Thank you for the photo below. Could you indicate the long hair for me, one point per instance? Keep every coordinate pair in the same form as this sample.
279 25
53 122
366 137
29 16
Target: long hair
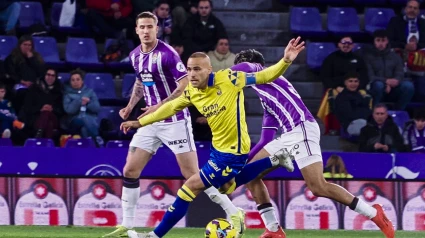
16 54
336 165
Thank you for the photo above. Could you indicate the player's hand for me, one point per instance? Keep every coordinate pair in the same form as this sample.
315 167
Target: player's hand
339 89
128 125
150 109
293 49
387 88
385 148
125 113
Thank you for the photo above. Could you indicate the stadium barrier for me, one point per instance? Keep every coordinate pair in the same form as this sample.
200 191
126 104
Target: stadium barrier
82 186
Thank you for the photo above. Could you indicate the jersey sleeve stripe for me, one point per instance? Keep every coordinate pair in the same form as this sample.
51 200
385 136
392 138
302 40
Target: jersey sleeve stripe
180 78
238 122
250 79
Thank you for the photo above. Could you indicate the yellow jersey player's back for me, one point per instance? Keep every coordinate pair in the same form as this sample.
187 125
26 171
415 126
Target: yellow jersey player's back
222 103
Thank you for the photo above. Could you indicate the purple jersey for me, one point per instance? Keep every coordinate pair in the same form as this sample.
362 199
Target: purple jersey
283 107
159 70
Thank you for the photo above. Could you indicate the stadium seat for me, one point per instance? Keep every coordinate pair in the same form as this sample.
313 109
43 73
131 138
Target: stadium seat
296 1
118 144
127 85
80 143
370 2
82 52
398 2
7 43
343 20
317 52
102 84
64 77
39 142
111 113
377 18
306 21
31 13
48 49
5 142
400 118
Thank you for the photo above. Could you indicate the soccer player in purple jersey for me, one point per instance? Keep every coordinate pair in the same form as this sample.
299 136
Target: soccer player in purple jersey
284 109
161 77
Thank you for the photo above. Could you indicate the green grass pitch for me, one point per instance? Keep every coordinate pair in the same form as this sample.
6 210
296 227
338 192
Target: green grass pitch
91 232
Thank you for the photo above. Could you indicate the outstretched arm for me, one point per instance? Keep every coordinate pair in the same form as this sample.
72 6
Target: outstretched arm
273 72
163 112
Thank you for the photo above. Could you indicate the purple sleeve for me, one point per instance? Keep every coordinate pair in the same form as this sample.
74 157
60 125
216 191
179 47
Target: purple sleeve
176 66
267 135
269 121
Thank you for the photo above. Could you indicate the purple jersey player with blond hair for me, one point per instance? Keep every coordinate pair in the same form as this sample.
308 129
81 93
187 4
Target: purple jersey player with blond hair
160 77
284 109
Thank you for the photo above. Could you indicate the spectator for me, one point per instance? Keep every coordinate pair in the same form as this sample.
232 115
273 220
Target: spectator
43 105
335 168
221 57
338 63
408 31
414 133
8 118
201 129
165 23
177 44
9 15
381 134
81 106
202 31
112 17
352 108
386 73
23 67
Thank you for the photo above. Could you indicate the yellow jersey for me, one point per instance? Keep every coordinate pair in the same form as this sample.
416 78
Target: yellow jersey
222 103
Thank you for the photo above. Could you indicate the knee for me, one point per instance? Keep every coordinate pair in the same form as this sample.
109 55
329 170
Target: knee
188 172
131 172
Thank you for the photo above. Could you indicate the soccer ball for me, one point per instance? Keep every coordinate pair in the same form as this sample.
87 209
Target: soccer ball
220 228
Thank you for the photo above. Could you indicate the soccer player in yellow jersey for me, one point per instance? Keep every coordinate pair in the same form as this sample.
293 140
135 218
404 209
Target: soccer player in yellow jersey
220 98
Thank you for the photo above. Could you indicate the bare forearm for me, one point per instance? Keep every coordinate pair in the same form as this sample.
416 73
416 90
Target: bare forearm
178 91
136 95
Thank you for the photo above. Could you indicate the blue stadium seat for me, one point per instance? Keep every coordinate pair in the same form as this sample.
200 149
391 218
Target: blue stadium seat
377 18
306 21
343 20
48 49
111 113
82 52
39 142
80 143
7 43
5 142
127 85
317 52
118 144
296 1
370 2
102 84
64 77
361 46
400 118
31 13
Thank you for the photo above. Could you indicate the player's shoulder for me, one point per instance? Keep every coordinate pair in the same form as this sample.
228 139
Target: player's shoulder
166 49
247 67
134 53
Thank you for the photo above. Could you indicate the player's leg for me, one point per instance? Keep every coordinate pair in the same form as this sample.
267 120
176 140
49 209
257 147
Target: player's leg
311 166
184 149
261 197
211 174
143 144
